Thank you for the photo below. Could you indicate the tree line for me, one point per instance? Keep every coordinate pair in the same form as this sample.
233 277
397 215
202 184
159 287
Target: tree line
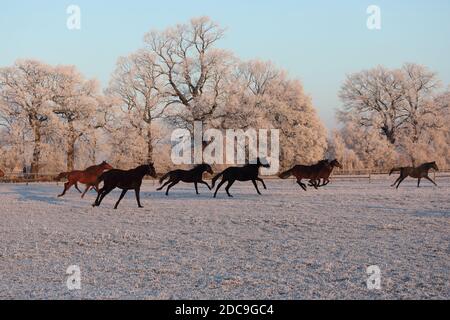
54 119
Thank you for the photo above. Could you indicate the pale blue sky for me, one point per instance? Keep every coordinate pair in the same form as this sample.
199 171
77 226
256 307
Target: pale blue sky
318 42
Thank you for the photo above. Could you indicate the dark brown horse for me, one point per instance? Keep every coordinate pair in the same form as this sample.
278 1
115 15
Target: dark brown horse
325 173
420 172
249 172
88 177
194 176
2 174
125 180
311 173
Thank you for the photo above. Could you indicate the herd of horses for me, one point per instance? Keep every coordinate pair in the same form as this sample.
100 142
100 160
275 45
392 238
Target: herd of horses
318 176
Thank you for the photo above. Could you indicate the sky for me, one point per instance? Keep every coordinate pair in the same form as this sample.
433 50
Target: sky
318 42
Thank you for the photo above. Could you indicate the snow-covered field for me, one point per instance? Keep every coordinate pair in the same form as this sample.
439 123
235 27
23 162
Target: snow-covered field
286 244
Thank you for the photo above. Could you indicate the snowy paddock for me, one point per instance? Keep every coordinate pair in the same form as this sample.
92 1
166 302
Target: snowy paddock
286 244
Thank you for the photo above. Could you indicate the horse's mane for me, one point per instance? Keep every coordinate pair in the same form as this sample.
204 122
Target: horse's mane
427 164
142 167
250 165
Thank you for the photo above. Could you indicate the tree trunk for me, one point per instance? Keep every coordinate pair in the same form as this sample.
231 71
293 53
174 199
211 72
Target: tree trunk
71 154
149 144
71 140
36 149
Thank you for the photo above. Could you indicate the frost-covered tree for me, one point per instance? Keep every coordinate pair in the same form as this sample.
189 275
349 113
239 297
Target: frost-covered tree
26 91
337 149
75 104
281 103
194 70
136 84
401 106
374 98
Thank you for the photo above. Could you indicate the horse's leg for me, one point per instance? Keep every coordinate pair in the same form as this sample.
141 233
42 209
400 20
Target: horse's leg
401 180
256 187
67 186
325 182
124 192
302 185
137 191
418 182
164 185
95 204
218 187
315 185
396 181
227 188
171 186
431 180
262 181
76 187
85 191
196 187
105 192
205 183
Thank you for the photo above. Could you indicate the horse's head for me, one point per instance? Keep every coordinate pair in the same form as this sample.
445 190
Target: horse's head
208 168
336 163
150 170
263 163
434 166
106 166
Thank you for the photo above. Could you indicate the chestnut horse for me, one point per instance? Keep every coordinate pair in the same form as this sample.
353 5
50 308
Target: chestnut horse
419 173
325 173
306 172
88 177
2 174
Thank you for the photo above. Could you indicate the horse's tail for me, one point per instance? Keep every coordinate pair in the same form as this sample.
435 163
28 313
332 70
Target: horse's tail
395 170
286 174
164 177
61 176
214 180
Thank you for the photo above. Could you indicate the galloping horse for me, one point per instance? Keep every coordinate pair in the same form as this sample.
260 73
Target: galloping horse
419 173
249 172
87 177
325 173
125 180
194 175
306 172
2 174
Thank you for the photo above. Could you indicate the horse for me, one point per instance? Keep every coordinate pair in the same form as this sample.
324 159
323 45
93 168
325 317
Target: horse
87 177
419 173
248 172
325 173
2 174
306 172
194 175
125 180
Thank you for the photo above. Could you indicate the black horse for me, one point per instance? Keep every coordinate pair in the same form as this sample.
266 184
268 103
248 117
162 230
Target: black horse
194 176
125 180
249 172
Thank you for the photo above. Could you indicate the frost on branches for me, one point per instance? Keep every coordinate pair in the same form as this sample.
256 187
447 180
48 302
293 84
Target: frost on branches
395 117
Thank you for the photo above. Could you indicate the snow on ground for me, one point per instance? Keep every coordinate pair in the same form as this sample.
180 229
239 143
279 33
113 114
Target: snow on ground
286 244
